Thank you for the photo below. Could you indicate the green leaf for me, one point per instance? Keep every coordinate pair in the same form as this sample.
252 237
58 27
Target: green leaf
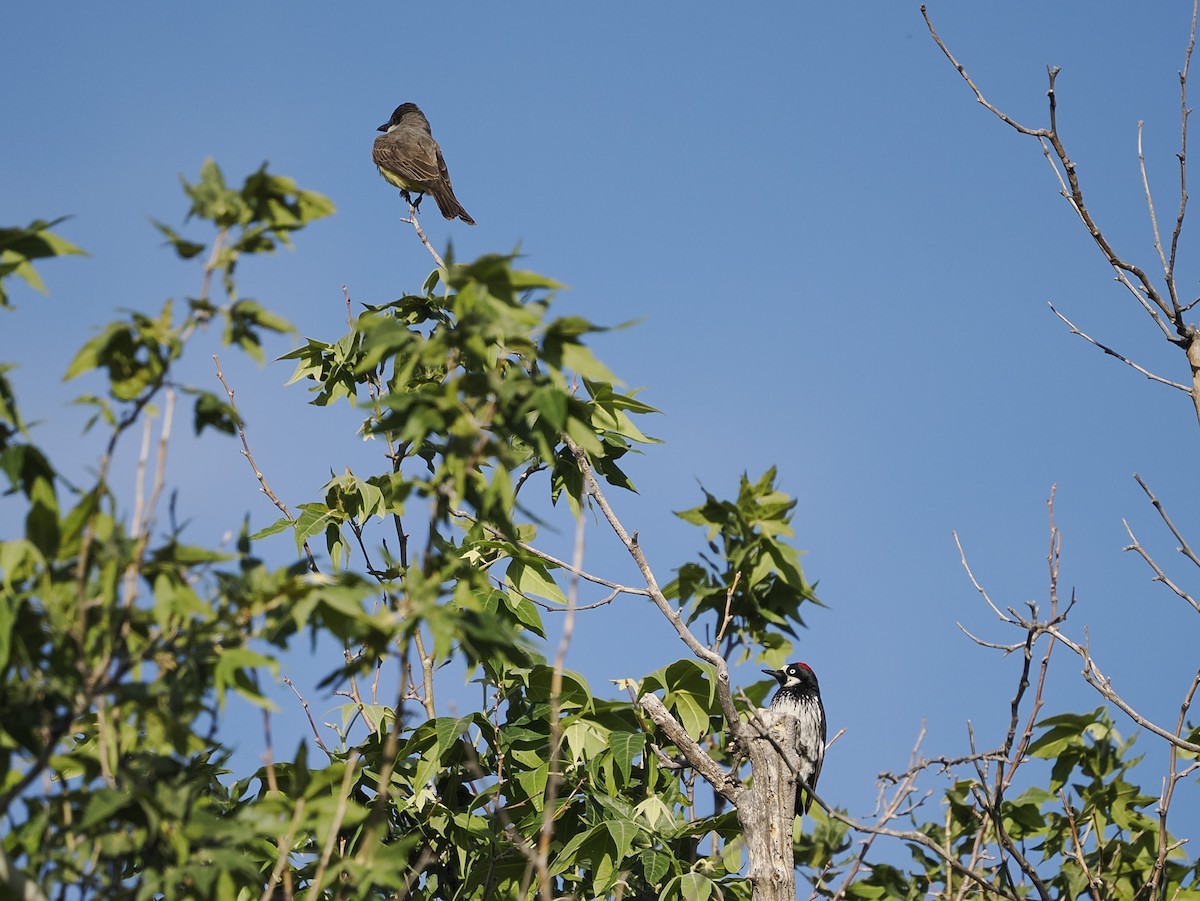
655 865
532 579
623 833
103 804
233 671
184 248
212 412
690 714
18 246
696 887
280 525
626 746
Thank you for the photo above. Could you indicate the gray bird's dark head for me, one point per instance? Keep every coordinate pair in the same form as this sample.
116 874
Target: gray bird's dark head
796 677
404 109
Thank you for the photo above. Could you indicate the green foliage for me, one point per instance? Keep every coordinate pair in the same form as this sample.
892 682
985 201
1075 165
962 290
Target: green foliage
123 646
1089 830
750 579
19 246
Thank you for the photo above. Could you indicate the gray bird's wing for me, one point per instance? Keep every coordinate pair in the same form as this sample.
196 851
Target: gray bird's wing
411 154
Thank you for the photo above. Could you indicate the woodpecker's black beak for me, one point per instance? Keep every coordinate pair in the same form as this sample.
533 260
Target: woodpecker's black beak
777 673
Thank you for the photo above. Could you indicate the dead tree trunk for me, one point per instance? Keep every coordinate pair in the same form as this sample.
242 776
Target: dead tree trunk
767 809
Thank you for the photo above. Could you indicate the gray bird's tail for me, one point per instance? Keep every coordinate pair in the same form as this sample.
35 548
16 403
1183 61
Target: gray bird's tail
450 207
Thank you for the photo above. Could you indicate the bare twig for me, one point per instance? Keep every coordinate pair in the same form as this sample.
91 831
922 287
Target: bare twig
552 608
283 843
1094 884
1159 575
335 825
1017 756
412 220
1171 780
1096 678
674 617
1071 187
427 664
726 618
542 860
262 480
144 509
1168 275
1184 115
1075 330
377 819
1166 312
316 733
945 854
1184 548
284 849
725 784
962 556
551 559
890 810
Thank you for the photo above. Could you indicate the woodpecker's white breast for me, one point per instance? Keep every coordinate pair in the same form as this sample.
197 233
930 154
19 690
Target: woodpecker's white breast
807 715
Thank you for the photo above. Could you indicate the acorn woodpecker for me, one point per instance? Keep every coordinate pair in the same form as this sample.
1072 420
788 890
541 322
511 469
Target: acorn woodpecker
799 696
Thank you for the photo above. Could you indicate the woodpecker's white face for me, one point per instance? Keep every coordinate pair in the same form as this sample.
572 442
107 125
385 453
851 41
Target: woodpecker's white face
794 675
796 679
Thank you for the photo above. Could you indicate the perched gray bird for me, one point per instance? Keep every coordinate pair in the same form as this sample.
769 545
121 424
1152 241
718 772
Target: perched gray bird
799 696
409 158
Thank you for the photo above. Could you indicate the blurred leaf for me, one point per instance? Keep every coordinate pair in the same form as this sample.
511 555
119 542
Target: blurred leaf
19 246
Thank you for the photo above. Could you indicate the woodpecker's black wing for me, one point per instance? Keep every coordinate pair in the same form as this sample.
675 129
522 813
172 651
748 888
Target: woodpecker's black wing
804 791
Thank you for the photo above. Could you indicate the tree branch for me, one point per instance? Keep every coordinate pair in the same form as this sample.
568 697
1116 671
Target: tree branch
1075 330
674 617
724 783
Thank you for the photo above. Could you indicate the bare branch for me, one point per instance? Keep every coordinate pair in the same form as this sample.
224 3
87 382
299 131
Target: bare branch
1017 756
412 220
962 556
262 480
542 860
725 784
335 825
1075 330
312 723
283 846
919 838
890 811
1148 296
1184 115
1184 548
1096 678
1171 780
551 608
1004 117
1159 575
674 617
727 618
1158 247
1006 648
617 587
1094 883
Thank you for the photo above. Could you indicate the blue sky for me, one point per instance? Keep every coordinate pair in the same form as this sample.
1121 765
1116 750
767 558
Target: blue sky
839 262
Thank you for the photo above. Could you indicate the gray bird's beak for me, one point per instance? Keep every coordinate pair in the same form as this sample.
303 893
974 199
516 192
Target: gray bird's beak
383 127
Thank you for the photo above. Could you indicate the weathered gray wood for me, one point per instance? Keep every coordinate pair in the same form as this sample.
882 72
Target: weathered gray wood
766 806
